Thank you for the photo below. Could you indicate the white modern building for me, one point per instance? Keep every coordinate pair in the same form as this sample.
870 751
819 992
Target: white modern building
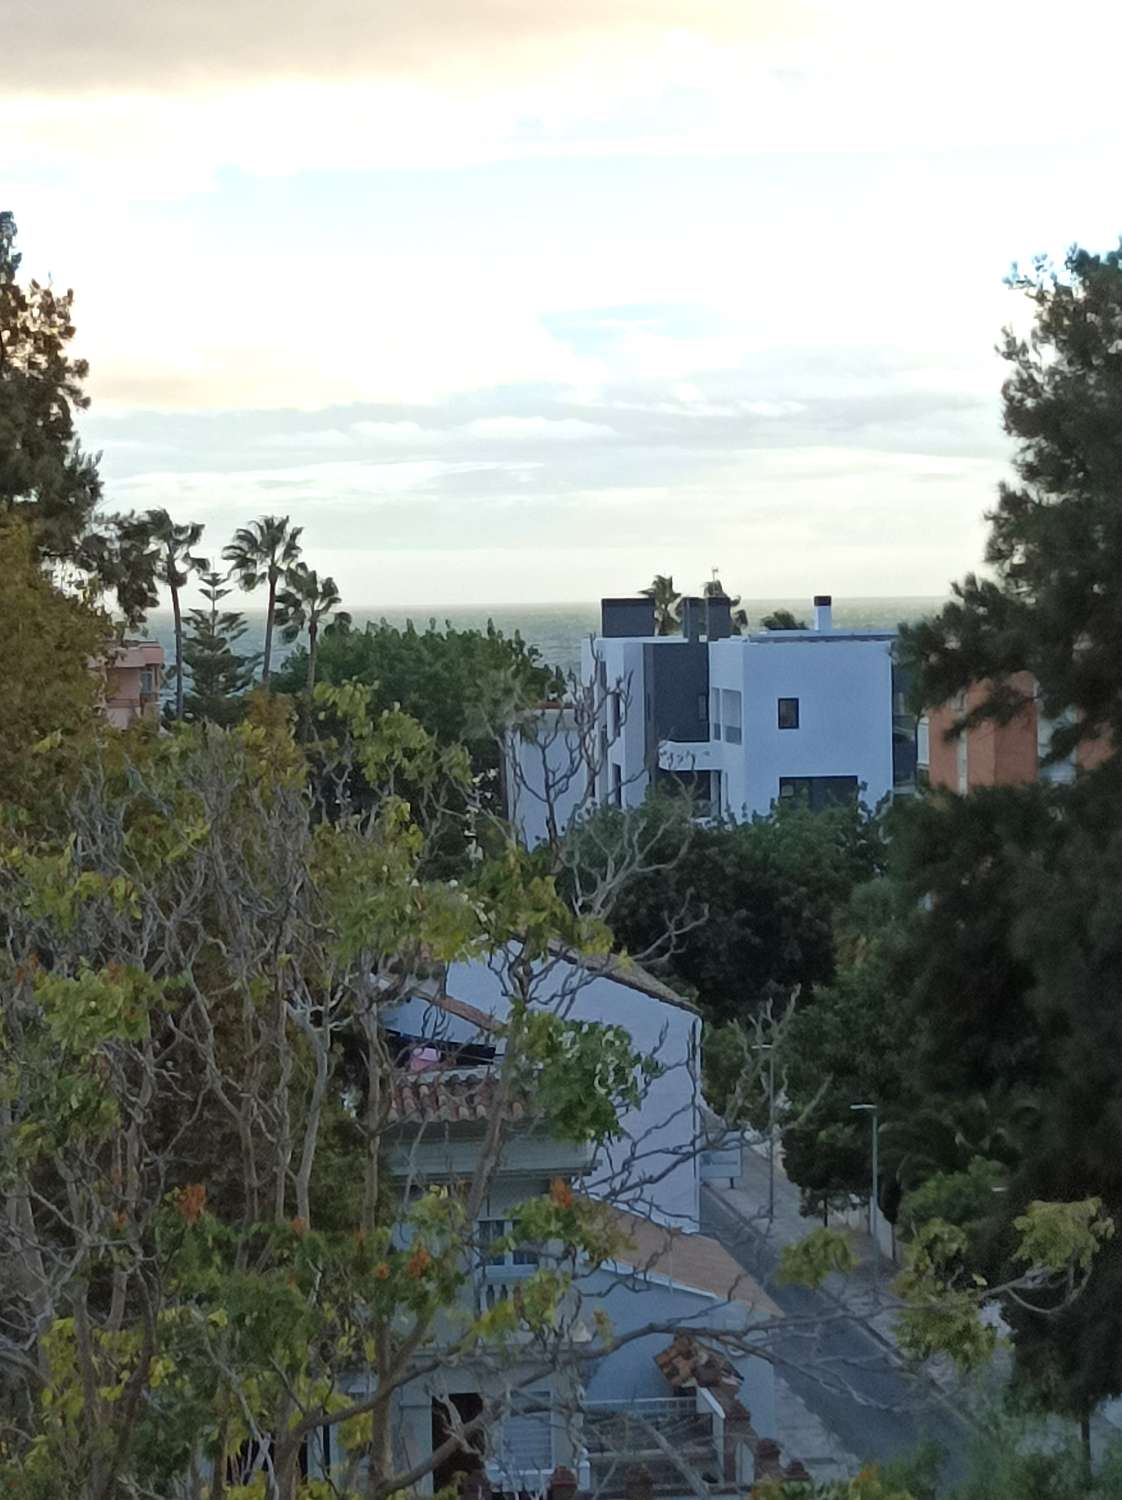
741 721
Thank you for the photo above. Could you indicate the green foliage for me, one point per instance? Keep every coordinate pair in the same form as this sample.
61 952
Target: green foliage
847 1042
667 603
48 641
782 619
964 1198
1056 1236
751 904
220 676
1052 607
461 685
262 553
302 606
821 1253
45 478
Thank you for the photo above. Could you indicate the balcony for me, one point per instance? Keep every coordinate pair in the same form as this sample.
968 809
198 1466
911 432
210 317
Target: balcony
680 1439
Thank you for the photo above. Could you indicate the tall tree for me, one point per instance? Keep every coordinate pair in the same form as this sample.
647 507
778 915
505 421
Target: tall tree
220 675
174 562
45 477
305 602
1053 607
667 603
48 640
263 553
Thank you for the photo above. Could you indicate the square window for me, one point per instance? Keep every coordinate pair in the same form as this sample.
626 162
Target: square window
788 713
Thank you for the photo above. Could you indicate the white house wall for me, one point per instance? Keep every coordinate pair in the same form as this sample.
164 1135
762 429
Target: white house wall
547 768
622 660
653 1168
844 688
630 1372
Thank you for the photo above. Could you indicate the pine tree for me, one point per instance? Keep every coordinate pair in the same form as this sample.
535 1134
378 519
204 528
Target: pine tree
1054 606
45 477
219 674
47 480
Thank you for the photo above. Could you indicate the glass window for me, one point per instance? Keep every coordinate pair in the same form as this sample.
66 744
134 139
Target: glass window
492 1230
730 704
715 713
788 713
617 785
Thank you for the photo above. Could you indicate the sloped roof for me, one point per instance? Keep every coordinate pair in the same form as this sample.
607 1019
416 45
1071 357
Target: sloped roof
625 971
692 1260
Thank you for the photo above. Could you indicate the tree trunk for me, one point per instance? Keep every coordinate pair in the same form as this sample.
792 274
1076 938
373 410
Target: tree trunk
267 656
178 614
313 635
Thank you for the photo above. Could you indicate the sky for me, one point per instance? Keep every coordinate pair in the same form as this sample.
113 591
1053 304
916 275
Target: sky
517 300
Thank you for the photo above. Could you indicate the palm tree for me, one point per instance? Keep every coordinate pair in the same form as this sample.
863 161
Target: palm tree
783 619
264 552
174 561
302 605
715 589
666 602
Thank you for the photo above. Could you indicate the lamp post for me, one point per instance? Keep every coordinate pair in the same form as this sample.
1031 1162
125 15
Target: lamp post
873 1111
769 1048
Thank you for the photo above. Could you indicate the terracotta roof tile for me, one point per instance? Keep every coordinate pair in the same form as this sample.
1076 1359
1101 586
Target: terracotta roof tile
443 1096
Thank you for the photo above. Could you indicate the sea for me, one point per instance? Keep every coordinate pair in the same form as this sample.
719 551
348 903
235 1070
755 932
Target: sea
557 630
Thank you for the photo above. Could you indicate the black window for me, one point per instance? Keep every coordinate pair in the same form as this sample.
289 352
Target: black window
788 713
818 792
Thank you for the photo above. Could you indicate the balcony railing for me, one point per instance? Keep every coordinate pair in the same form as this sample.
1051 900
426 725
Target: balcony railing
681 1439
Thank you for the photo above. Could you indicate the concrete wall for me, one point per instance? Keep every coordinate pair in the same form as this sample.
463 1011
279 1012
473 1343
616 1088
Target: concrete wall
844 688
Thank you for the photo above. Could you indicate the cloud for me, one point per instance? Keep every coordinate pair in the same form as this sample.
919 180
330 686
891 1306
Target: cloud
89 46
538 430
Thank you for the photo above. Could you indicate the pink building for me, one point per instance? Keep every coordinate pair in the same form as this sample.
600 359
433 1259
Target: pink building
134 676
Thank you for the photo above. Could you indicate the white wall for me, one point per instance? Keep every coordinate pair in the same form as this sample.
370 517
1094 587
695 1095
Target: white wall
547 775
630 1373
653 1168
844 688
622 658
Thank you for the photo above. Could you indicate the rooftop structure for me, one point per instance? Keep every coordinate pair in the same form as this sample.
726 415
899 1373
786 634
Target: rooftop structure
738 721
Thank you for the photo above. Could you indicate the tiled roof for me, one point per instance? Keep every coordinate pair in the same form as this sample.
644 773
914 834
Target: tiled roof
691 1260
440 1096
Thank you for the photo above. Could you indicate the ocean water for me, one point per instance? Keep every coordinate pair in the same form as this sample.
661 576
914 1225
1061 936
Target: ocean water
557 630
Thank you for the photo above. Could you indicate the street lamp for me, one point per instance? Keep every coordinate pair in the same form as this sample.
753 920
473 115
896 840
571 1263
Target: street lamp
874 1111
769 1048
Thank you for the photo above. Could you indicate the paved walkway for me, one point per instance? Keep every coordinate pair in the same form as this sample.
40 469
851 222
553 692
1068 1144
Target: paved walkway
944 1401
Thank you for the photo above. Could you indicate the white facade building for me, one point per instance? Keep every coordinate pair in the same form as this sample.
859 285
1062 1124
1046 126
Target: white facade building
743 721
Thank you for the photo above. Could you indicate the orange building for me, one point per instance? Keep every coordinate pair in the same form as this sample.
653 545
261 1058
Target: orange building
992 754
134 676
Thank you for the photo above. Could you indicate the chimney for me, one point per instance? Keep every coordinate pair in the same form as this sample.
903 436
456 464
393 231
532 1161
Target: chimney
823 612
718 616
627 617
693 610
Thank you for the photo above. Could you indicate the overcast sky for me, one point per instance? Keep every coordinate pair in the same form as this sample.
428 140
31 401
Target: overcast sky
506 300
